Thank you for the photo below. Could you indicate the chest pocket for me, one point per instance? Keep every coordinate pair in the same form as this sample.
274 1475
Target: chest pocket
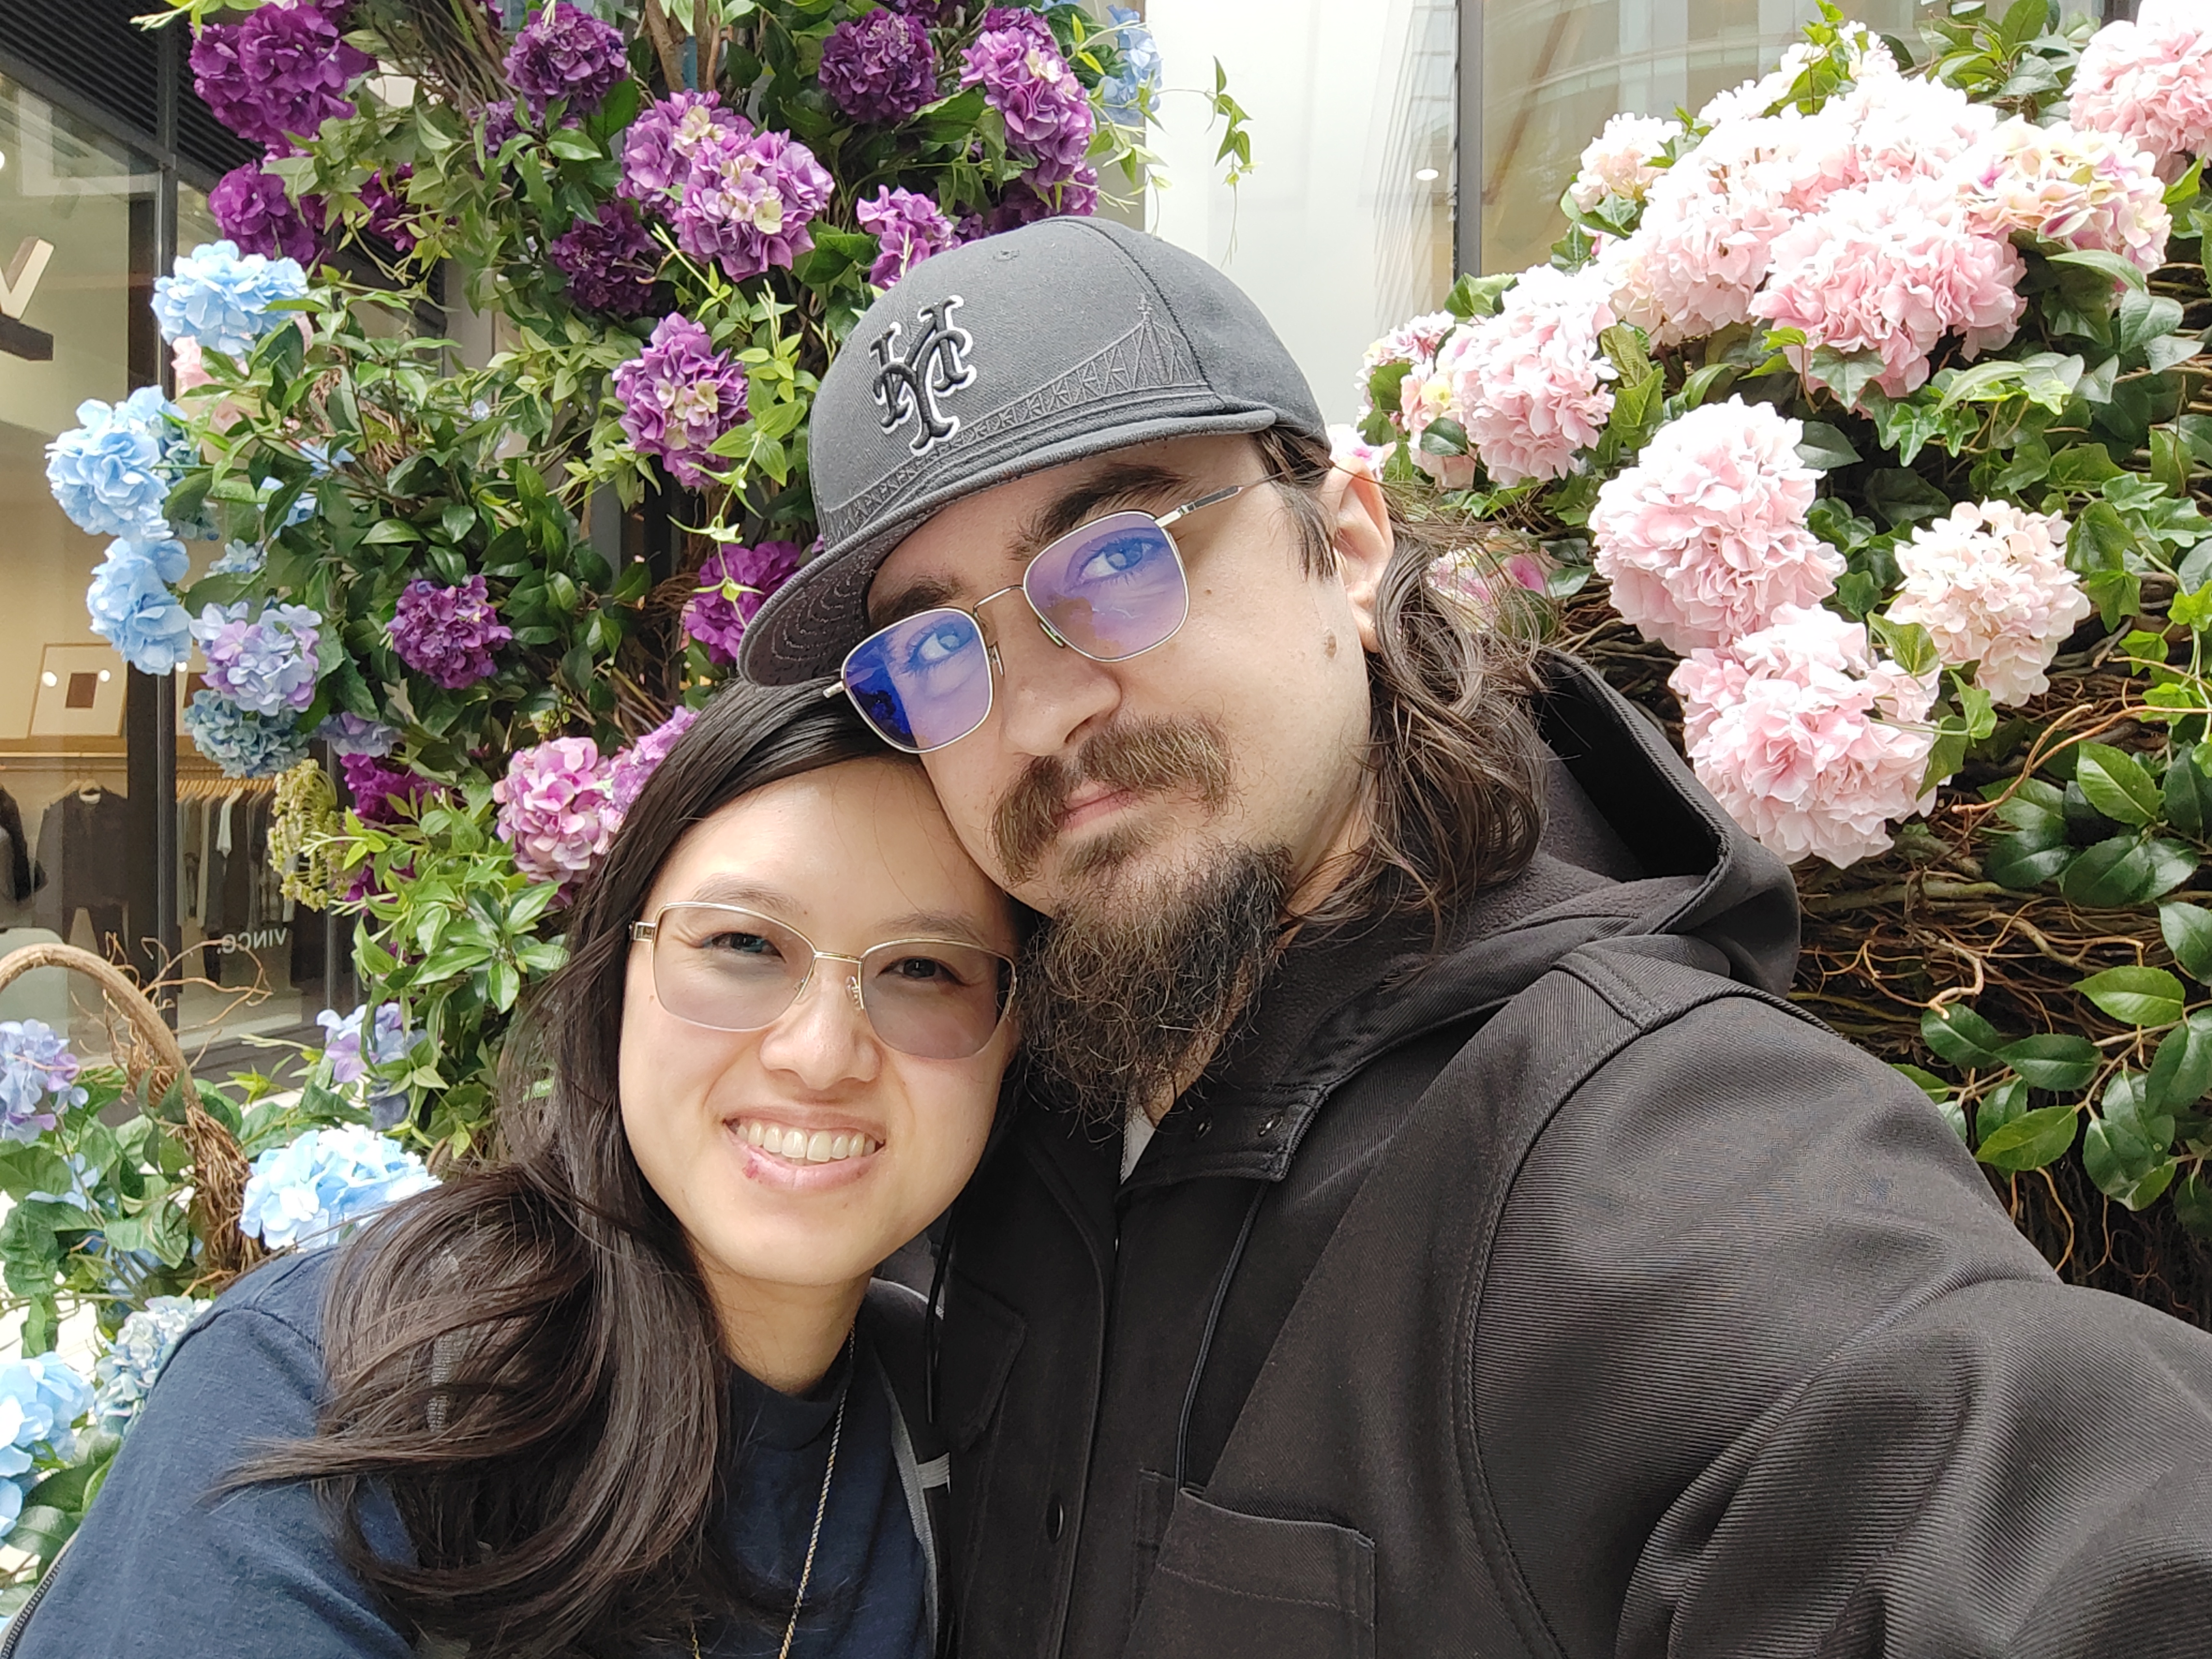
1235 1586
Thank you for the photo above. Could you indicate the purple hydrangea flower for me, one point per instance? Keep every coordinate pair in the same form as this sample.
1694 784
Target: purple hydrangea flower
242 746
563 53
254 212
349 733
447 634
930 11
748 201
733 584
1024 202
267 665
383 793
679 395
610 259
557 810
497 123
385 198
658 150
908 229
627 771
38 1073
879 67
279 74
1017 64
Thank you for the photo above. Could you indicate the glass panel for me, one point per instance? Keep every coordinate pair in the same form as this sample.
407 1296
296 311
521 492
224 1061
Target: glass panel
1345 227
1554 70
84 206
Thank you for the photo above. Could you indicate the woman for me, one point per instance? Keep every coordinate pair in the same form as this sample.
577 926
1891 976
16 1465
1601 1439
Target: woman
609 1397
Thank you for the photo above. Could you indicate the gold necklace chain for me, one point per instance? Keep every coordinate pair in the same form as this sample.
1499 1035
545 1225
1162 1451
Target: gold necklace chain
813 1539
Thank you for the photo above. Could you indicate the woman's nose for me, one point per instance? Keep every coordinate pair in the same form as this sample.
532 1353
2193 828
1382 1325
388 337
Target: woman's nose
824 1039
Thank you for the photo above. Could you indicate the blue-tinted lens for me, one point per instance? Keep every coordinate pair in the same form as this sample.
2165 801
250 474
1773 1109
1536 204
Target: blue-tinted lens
1111 589
924 682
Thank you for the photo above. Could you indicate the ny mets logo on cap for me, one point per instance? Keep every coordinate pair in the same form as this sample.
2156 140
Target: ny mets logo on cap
935 365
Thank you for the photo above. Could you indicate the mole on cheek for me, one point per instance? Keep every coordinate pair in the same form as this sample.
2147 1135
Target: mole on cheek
1328 643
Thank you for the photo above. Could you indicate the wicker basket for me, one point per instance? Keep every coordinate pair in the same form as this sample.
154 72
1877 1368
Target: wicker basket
155 1063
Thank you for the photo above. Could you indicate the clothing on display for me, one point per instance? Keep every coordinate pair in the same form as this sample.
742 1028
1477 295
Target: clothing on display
20 874
227 882
84 844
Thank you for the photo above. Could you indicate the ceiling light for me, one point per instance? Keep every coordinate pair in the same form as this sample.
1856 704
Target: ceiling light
1426 175
49 678
104 675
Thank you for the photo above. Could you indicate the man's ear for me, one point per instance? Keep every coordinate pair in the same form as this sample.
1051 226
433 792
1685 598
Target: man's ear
1359 518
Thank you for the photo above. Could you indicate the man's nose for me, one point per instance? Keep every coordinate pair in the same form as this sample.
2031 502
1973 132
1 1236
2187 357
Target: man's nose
1048 693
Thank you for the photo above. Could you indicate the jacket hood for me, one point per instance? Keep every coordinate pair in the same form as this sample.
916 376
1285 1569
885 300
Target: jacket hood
1633 846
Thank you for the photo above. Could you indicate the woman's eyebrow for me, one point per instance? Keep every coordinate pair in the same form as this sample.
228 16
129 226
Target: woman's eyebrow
935 924
748 895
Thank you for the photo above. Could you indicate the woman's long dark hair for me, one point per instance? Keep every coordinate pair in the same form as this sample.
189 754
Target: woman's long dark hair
526 1359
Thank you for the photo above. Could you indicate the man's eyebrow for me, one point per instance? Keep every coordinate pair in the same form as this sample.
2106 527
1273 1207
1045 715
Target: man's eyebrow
1125 485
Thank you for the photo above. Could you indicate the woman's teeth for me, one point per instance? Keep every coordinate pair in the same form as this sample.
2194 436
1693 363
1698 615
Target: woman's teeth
822 1147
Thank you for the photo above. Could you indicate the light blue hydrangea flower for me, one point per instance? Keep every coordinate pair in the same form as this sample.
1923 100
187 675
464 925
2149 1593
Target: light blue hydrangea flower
238 559
309 1192
222 299
349 733
112 472
37 1078
243 745
1125 95
133 609
40 1402
123 1375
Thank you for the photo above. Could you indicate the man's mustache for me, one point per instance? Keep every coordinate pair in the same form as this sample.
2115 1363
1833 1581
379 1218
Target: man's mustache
1143 756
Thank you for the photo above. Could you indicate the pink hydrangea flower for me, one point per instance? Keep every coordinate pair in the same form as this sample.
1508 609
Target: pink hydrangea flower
2081 189
1423 398
2151 79
1620 160
627 771
1348 450
1530 384
1990 585
1472 577
1810 743
1905 126
1704 540
1890 269
557 809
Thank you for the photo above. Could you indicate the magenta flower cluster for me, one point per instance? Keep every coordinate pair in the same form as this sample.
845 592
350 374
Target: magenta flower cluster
908 229
657 150
279 74
679 395
627 771
566 55
386 199
733 584
748 200
610 259
383 793
1019 64
254 212
879 67
447 634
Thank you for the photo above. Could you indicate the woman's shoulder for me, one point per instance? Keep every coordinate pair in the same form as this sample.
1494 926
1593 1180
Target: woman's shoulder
289 1290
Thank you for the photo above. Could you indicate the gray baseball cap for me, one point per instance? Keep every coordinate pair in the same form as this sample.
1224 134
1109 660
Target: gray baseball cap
1048 344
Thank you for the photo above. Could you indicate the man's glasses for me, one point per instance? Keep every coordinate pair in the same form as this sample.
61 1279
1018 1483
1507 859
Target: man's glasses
733 969
1111 589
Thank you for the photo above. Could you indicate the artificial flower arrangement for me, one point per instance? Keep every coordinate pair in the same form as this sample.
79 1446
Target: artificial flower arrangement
1863 419
672 215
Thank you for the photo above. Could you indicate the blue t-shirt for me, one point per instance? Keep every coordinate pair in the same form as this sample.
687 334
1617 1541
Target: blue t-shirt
162 1569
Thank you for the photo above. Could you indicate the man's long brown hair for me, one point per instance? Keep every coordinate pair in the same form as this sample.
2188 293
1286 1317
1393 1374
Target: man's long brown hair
1457 801
526 1360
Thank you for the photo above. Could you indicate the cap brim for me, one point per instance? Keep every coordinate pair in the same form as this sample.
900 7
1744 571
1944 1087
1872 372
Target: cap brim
807 625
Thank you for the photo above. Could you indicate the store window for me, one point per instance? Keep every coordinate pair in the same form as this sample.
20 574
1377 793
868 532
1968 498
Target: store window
1552 72
76 246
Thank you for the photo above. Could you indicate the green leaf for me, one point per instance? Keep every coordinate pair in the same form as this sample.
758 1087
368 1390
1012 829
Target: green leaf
2000 1107
2117 785
2192 1203
1443 436
2053 1060
2030 1140
2110 264
1911 647
2137 996
2143 317
2112 874
2081 467
2115 1159
1904 497
571 145
1960 1035
387 531
1824 447
2187 929
2188 796
2024 861
2181 1071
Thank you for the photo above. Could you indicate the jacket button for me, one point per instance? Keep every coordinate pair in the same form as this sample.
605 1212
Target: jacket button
1055 1522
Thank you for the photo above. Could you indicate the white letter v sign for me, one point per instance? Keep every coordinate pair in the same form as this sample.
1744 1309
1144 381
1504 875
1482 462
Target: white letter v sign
23 273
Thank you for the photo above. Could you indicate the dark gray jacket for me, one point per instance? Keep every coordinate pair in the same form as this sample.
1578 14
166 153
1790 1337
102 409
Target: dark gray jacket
1569 1295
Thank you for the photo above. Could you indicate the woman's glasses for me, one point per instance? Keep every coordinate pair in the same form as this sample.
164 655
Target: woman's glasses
733 969
1110 589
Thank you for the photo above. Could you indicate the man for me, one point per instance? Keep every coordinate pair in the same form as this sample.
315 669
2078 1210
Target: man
1429 1232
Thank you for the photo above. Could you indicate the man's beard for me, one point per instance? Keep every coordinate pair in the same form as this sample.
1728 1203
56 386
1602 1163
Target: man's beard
1130 989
